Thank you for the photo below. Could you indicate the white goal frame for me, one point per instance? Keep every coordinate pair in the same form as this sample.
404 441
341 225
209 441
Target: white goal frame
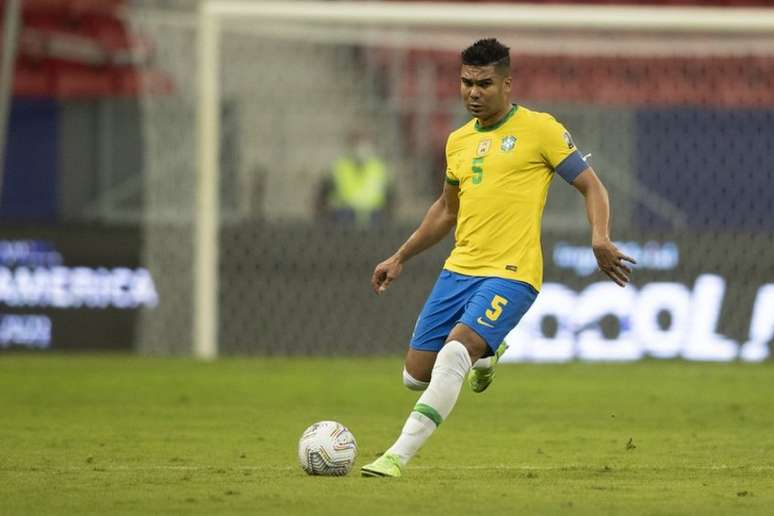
212 13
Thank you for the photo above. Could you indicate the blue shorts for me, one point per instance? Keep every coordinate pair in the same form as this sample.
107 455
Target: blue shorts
490 306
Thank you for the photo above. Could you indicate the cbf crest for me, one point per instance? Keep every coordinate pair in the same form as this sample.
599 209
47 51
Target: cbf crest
508 143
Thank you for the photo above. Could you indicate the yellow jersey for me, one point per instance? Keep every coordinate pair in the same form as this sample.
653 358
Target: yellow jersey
503 173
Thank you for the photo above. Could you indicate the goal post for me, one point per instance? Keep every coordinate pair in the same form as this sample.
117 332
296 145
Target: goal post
499 15
207 190
722 31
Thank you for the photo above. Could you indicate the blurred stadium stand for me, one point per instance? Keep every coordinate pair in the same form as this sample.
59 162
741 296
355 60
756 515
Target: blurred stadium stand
102 136
74 122
80 49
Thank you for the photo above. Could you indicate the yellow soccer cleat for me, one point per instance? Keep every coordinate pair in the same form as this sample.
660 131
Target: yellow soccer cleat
388 465
479 379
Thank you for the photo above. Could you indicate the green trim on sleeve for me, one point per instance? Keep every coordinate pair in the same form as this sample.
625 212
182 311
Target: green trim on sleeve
454 182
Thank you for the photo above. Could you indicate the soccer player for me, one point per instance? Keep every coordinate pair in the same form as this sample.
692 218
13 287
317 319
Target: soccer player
499 167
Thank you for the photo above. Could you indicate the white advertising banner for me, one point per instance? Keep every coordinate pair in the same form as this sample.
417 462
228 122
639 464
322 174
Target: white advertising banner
659 319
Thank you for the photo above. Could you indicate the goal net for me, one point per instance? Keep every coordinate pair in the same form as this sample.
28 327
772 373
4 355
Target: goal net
263 244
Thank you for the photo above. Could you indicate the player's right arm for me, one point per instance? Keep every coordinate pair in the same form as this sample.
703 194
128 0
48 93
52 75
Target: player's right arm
438 221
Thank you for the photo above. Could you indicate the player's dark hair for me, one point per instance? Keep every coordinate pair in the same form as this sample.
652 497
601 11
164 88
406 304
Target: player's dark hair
489 51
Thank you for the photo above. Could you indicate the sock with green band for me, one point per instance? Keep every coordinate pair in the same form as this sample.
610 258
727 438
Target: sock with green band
435 404
429 412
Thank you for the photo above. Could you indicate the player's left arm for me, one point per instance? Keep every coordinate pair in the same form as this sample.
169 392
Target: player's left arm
609 259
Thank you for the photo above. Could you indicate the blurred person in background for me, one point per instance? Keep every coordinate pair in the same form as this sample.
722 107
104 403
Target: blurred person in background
357 189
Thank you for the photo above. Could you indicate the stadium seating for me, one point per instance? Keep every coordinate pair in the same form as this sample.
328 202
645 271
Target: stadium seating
80 49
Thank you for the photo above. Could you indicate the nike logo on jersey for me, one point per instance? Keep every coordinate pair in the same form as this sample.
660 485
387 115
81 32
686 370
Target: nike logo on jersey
484 323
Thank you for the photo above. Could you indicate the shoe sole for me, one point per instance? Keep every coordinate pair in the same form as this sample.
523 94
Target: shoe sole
372 473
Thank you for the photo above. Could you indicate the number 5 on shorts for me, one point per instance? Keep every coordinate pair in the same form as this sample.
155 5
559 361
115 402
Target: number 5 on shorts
498 302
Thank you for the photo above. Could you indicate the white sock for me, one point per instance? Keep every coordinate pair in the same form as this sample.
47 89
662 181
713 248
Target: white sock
412 383
484 363
433 407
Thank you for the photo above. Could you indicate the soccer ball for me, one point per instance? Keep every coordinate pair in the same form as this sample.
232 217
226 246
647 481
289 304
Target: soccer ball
327 448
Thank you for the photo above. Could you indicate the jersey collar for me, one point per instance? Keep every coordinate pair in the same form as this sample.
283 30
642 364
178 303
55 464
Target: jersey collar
499 124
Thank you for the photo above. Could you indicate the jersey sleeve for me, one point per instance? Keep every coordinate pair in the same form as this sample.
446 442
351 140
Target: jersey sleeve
451 178
560 153
451 174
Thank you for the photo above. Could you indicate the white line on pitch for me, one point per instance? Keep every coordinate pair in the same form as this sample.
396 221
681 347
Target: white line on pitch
478 467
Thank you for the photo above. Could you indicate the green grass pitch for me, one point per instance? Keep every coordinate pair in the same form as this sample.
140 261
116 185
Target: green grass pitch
125 435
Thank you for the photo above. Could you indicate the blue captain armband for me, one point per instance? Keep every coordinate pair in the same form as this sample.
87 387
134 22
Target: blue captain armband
571 166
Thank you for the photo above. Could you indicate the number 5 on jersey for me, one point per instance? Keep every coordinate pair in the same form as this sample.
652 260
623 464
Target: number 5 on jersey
478 170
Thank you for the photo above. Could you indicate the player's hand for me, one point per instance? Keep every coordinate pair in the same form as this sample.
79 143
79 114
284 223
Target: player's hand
385 273
611 261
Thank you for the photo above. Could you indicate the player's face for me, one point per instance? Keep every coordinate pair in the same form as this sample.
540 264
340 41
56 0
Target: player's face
486 93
